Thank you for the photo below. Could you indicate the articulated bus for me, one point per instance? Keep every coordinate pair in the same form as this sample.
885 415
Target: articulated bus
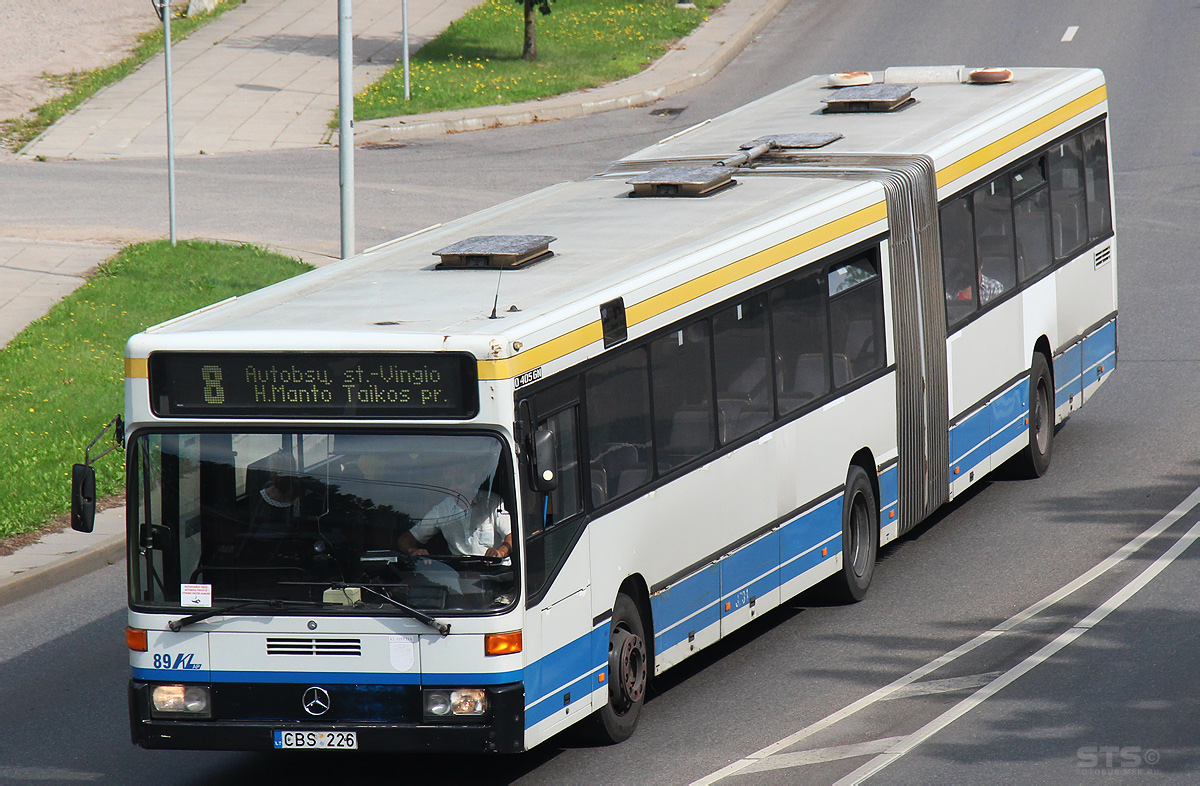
485 481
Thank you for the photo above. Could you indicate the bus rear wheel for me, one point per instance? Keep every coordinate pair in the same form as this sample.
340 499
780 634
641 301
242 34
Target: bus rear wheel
1035 459
628 674
860 539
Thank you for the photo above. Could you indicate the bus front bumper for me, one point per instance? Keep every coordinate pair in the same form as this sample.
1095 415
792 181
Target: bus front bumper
501 731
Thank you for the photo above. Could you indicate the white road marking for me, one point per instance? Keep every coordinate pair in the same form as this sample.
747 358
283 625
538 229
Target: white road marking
1045 653
1069 36
784 761
1008 625
944 686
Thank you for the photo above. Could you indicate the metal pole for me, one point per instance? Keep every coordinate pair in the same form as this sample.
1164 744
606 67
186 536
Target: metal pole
346 124
404 19
166 17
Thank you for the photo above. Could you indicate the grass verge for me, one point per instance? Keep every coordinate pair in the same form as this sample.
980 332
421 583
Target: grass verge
17 132
63 377
477 60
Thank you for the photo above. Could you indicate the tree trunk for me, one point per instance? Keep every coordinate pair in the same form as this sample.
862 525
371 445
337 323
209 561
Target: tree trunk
530 50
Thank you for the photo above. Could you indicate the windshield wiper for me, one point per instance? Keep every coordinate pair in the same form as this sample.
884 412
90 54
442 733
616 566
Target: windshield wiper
199 616
416 614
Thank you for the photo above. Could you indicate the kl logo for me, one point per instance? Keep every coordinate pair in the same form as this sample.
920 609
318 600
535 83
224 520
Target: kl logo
184 661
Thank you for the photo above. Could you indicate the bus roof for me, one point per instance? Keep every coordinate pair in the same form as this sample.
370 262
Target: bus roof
608 244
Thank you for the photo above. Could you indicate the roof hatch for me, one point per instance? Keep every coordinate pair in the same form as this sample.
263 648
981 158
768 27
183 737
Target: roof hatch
682 180
869 98
495 252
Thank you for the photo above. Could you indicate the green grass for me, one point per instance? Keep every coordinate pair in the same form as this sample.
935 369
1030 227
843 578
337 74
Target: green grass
17 132
477 61
62 378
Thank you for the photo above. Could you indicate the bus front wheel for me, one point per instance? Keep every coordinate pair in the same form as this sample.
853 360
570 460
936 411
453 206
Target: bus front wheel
628 664
860 539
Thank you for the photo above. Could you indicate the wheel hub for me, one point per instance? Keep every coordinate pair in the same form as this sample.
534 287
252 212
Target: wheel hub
627 667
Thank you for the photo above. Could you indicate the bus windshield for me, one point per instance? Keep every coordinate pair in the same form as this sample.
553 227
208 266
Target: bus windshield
344 522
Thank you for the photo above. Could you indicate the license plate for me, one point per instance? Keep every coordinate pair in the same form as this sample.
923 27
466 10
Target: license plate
323 740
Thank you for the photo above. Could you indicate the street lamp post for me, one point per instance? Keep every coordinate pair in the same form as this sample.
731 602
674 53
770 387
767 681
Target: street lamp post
163 8
346 124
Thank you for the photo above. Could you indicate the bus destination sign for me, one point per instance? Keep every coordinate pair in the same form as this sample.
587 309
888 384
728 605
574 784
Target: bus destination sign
313 384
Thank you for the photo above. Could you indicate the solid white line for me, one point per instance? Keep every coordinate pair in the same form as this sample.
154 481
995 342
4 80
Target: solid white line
1012 622
1070 34
1045 653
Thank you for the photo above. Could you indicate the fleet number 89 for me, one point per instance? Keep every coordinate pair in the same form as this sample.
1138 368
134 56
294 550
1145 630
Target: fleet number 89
214 392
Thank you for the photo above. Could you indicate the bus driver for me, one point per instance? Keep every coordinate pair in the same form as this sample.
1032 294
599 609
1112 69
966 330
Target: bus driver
477 525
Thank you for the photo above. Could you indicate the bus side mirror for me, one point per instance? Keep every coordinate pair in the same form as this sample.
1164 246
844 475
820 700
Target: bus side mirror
83 497
545 460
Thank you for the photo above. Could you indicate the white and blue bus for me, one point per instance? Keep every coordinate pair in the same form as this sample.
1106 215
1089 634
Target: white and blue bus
485 481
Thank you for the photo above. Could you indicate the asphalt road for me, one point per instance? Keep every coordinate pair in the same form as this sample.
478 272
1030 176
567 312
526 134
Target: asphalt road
1101 681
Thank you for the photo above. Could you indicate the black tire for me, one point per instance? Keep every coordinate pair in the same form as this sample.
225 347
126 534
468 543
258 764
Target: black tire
1034 460
860 540
628 674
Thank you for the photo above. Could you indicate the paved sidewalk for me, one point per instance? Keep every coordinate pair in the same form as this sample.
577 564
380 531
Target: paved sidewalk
264 77
34 275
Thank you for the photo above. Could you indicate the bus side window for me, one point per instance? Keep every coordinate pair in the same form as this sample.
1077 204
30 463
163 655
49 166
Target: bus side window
856 333
958 260
1067 204
564 501
1031 211
552 523
618 425
745 389
1095 169
994 245
800 328
681 375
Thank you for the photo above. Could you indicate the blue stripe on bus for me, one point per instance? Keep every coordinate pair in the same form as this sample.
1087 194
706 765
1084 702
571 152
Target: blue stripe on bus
335 677
558 668
565 675
686 607
1068 370
750 571
326 677
1008 413
988 430
799 539
889 492
970 442
1100 348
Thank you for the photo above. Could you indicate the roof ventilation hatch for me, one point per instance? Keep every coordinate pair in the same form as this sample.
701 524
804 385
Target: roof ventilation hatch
495 252
869 98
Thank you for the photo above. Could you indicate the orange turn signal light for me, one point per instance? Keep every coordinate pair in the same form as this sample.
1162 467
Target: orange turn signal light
135 639
502 643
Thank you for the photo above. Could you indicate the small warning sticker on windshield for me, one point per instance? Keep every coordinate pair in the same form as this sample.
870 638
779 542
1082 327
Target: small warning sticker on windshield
197 596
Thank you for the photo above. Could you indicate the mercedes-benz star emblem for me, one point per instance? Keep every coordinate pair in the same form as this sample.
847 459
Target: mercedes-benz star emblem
316 701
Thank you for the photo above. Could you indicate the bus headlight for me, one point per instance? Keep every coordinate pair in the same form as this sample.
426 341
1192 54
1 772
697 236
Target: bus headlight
459 703
176 700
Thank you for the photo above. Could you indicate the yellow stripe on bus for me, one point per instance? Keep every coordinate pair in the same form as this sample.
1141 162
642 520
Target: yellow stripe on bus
137 368
988 153
735 271
676 296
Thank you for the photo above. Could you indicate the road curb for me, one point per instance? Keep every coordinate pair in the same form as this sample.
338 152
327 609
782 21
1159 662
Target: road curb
689 65
43 577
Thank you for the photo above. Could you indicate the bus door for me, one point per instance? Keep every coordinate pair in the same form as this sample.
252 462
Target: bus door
558 637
